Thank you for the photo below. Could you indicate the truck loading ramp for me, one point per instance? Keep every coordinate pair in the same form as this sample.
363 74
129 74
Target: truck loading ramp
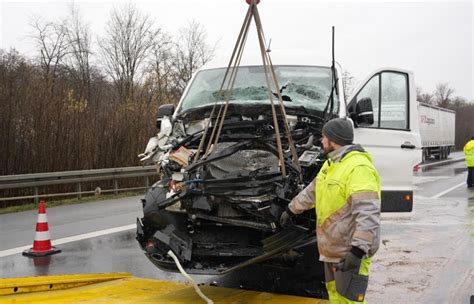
124 288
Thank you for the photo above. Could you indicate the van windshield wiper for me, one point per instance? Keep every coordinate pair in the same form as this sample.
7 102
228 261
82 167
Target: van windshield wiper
283 97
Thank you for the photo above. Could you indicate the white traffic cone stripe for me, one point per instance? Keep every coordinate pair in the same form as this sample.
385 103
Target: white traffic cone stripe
42 218
42 236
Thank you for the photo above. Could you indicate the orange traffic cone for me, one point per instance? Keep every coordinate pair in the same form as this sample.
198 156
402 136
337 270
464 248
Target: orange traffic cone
42 243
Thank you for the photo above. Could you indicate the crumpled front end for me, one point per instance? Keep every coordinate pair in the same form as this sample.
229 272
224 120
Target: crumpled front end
220 212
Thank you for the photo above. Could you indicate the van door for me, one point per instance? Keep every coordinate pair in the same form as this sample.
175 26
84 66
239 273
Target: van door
392 138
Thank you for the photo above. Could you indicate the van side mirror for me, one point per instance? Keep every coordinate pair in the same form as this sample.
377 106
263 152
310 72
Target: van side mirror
364 112
164 110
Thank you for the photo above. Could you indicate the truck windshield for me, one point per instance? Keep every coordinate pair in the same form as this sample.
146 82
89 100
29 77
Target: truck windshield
307 86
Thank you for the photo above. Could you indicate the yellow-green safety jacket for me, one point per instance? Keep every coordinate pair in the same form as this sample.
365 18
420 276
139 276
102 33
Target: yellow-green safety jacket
469 153
346 195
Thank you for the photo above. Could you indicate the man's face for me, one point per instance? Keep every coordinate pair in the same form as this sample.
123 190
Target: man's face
327 144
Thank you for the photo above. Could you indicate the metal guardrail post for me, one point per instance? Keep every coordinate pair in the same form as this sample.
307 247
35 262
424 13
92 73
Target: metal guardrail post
79 190
36 195
115 187
147 182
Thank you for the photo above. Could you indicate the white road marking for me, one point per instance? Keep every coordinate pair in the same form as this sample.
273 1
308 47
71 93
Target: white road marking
70 239
13 251
448 190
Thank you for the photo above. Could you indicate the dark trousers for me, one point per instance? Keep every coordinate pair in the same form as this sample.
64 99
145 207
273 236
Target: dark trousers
347 287
470 176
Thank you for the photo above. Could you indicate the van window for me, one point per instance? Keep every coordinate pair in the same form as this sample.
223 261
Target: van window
393 113
389 94
371 90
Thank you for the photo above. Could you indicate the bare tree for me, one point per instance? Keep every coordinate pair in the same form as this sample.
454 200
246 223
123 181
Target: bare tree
192 51
51 41
348 82
161 68
79 43
459 101
464 125
424 97
129 38
443 94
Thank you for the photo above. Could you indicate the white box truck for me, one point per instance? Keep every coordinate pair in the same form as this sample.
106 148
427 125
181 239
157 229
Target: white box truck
437 129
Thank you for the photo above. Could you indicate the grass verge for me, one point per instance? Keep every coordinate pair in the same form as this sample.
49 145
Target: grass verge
69 201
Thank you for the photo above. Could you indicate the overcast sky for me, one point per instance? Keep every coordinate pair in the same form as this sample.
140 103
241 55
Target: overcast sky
433 39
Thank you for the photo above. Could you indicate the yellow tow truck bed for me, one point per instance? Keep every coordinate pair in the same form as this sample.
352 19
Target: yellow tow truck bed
124 288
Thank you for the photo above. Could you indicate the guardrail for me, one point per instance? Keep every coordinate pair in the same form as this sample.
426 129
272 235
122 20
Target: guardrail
423 167
37 180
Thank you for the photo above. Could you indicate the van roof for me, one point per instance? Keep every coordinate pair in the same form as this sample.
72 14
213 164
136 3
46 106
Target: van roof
278 57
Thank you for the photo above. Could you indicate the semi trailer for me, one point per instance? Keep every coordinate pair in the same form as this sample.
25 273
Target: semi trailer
437 130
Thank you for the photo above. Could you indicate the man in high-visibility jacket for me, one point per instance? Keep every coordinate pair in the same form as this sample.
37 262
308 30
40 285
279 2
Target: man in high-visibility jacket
346 196
469 153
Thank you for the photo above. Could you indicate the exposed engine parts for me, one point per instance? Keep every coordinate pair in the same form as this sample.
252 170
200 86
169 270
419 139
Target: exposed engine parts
222 211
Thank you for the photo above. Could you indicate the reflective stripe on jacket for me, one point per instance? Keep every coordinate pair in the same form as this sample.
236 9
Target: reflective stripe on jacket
347 206
469 153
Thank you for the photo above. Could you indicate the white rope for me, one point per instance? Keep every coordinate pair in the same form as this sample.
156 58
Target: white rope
196 287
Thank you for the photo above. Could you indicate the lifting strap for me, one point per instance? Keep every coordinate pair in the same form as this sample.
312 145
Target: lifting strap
228 82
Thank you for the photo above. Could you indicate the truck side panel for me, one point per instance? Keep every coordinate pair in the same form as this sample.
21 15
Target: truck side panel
437 130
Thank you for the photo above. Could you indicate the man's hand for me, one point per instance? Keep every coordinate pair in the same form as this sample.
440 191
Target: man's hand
286 218
351 261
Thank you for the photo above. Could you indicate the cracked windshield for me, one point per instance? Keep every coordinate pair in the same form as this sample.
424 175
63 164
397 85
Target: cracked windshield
305 86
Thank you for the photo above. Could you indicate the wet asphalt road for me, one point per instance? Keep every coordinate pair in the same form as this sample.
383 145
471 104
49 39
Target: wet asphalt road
116 252
17 229
119 252
426 256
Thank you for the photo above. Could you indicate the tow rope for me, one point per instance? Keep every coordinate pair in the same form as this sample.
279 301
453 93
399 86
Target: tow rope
187 276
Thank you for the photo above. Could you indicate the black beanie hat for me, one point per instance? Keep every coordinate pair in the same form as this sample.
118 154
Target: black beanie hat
340 131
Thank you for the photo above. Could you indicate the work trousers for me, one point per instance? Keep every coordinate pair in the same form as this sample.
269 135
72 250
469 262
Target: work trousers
470 177
349 286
